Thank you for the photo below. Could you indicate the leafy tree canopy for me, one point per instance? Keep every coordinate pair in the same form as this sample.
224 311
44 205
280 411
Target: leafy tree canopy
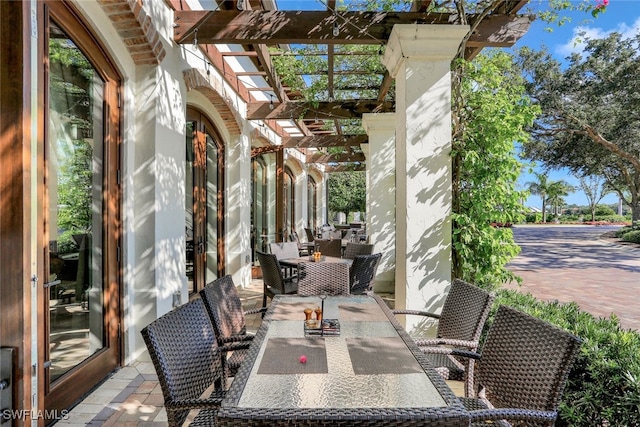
590 120
347 192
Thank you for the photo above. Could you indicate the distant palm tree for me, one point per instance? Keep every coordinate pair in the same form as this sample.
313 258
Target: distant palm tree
549 191
540 188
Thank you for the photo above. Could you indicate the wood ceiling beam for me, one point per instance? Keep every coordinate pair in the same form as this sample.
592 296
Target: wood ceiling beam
323 111
335 158
325 141
316 27
420 5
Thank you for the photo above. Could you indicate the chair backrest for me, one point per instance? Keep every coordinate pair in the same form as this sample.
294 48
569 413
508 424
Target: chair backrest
363 272
310 236
354 249
465 312
329 247
223 304
323 278
271 271
185 354
525 361
283 250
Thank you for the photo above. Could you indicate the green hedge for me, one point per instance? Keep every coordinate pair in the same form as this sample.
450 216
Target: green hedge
604 385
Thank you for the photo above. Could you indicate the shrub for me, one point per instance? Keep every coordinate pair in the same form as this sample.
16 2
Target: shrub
604 385
631 236
610 218
622 231
533 217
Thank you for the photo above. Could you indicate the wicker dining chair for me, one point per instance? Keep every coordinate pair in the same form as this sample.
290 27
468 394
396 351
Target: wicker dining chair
273 281
185 354
323 278
460 324
329 247
363 272
352 249
310 236
224 307
522 371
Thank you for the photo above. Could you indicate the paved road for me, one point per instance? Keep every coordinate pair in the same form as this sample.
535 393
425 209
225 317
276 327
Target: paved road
572 263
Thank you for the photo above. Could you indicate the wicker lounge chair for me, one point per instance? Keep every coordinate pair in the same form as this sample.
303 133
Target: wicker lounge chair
521 372
224 307
323 278
362 273
185 354
460 325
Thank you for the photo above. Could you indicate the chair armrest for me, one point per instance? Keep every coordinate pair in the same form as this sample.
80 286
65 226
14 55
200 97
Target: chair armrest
232 346
513 414
256 311
211 402
416 313
452 351
236 338
429 342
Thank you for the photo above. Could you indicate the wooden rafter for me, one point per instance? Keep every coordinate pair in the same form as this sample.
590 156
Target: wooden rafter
335 158
325 141
321 111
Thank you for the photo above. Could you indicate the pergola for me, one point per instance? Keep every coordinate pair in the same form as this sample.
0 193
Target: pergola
252 27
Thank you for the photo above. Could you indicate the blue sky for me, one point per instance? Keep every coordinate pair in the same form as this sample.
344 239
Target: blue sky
622 16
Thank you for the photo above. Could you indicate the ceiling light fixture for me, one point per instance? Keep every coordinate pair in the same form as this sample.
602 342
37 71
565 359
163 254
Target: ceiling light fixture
240 5
336 29
271 102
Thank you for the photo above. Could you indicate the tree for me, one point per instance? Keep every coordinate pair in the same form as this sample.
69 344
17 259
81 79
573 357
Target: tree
556 193
594 188
590 120
347 192
490 114
540 188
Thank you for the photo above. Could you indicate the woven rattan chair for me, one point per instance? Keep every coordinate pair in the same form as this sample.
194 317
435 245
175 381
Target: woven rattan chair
353 249
323 278
273 281
329 247
224 307
284 250
460 324
310 236
363 272
185 354
521 372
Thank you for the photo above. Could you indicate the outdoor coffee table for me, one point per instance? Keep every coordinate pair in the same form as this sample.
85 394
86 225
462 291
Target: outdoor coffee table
370 374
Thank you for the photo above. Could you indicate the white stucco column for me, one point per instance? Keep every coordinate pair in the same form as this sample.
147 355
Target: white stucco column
381 194
419 57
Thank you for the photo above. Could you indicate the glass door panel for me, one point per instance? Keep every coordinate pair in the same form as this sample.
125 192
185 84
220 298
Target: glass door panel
74 159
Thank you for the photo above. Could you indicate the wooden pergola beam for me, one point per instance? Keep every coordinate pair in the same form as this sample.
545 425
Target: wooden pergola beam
325 141
354 167
322 111
335 158
316 27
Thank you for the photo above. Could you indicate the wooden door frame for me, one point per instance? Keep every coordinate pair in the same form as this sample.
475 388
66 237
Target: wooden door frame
74 384
206 127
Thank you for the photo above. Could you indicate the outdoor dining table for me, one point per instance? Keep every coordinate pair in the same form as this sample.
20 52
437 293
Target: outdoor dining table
370 374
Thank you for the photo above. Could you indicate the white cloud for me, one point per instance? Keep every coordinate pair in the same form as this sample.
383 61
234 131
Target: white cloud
576 43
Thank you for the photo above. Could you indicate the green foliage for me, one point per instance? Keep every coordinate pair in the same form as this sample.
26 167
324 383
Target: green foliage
588 122
533 217
603 386
490 113
631 236
347 192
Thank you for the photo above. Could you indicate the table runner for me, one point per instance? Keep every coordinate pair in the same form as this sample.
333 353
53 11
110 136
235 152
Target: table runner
293 310
361 313
282 356
387 355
